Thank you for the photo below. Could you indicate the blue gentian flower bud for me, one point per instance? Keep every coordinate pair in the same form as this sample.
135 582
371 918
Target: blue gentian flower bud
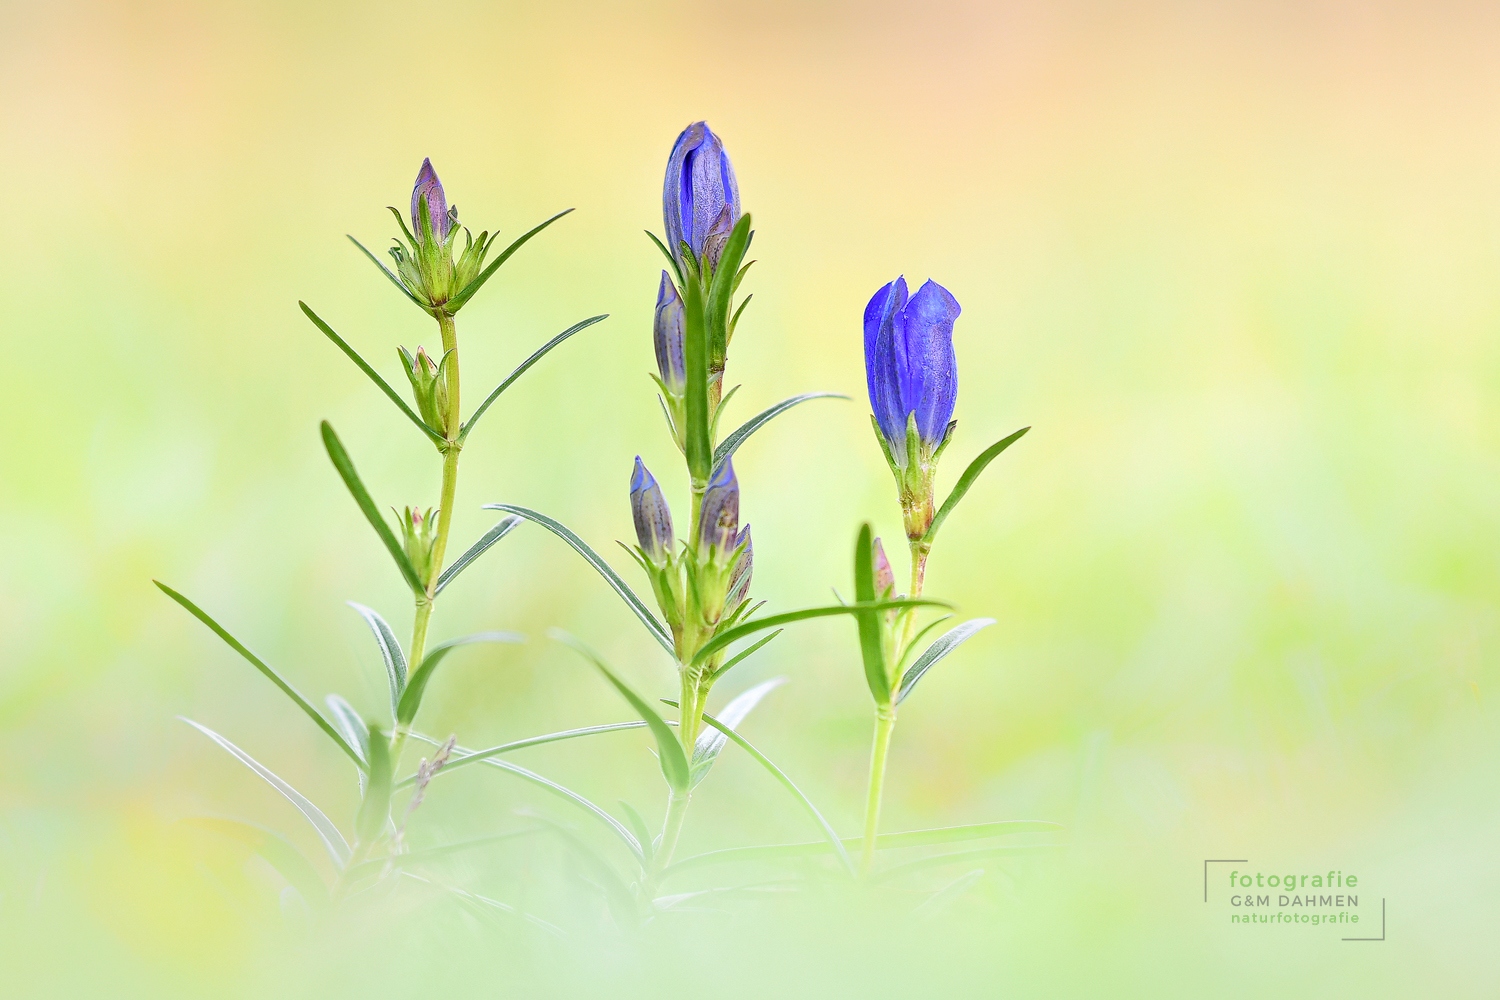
428 186
910 365
739 580
720 519
653 519
668 333
700 198
418 533
913 380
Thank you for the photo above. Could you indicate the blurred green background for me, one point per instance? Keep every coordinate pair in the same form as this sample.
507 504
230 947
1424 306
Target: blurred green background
1233 262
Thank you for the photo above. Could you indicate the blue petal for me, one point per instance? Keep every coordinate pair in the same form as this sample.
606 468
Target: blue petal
429 186
677 194
885 362
719 520
929 382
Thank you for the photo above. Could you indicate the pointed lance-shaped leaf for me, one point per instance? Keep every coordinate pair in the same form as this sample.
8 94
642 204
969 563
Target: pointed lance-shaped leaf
345 467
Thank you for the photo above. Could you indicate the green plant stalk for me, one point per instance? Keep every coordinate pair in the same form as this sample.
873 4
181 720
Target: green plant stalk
885 715
671 830
885 724
451 451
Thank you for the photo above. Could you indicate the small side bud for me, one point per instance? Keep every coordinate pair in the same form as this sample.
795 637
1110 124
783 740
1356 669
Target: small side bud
653 518
429 387
885 578
418 532
667 333
720 518
739 580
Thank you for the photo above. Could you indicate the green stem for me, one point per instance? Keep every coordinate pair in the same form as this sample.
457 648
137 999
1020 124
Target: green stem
451 449
671 830
885 723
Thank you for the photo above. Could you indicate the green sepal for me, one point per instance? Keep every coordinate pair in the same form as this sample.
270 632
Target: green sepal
467 292
696 351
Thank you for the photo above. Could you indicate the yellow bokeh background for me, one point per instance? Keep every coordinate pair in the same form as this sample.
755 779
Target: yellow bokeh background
1234 263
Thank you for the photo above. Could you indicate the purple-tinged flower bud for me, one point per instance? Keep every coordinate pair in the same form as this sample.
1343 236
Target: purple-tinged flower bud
739 580
418 533
885 578
719 522
653 519
910 365
668 333
700 196
428 186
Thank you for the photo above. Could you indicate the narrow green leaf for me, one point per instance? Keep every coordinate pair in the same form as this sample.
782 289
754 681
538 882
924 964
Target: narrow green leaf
941 647
351 725
730 636
499 531
277 851
468 290
967 479
364 366
375 806
745 653
411 698
536 356
390 652
710 742
387 271
561 790
676 268
731 444
264 668
372 514
790 786
463 757
871 641
337 846
639 828
657 629
697 444
674 764
916 641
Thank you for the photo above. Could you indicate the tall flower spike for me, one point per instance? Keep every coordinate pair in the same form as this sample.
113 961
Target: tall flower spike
653 519
910 364
720 518
667 333
428 186
739 580
700 198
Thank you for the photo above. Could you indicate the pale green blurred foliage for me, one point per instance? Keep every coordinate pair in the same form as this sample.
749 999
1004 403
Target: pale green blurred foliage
1236 265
